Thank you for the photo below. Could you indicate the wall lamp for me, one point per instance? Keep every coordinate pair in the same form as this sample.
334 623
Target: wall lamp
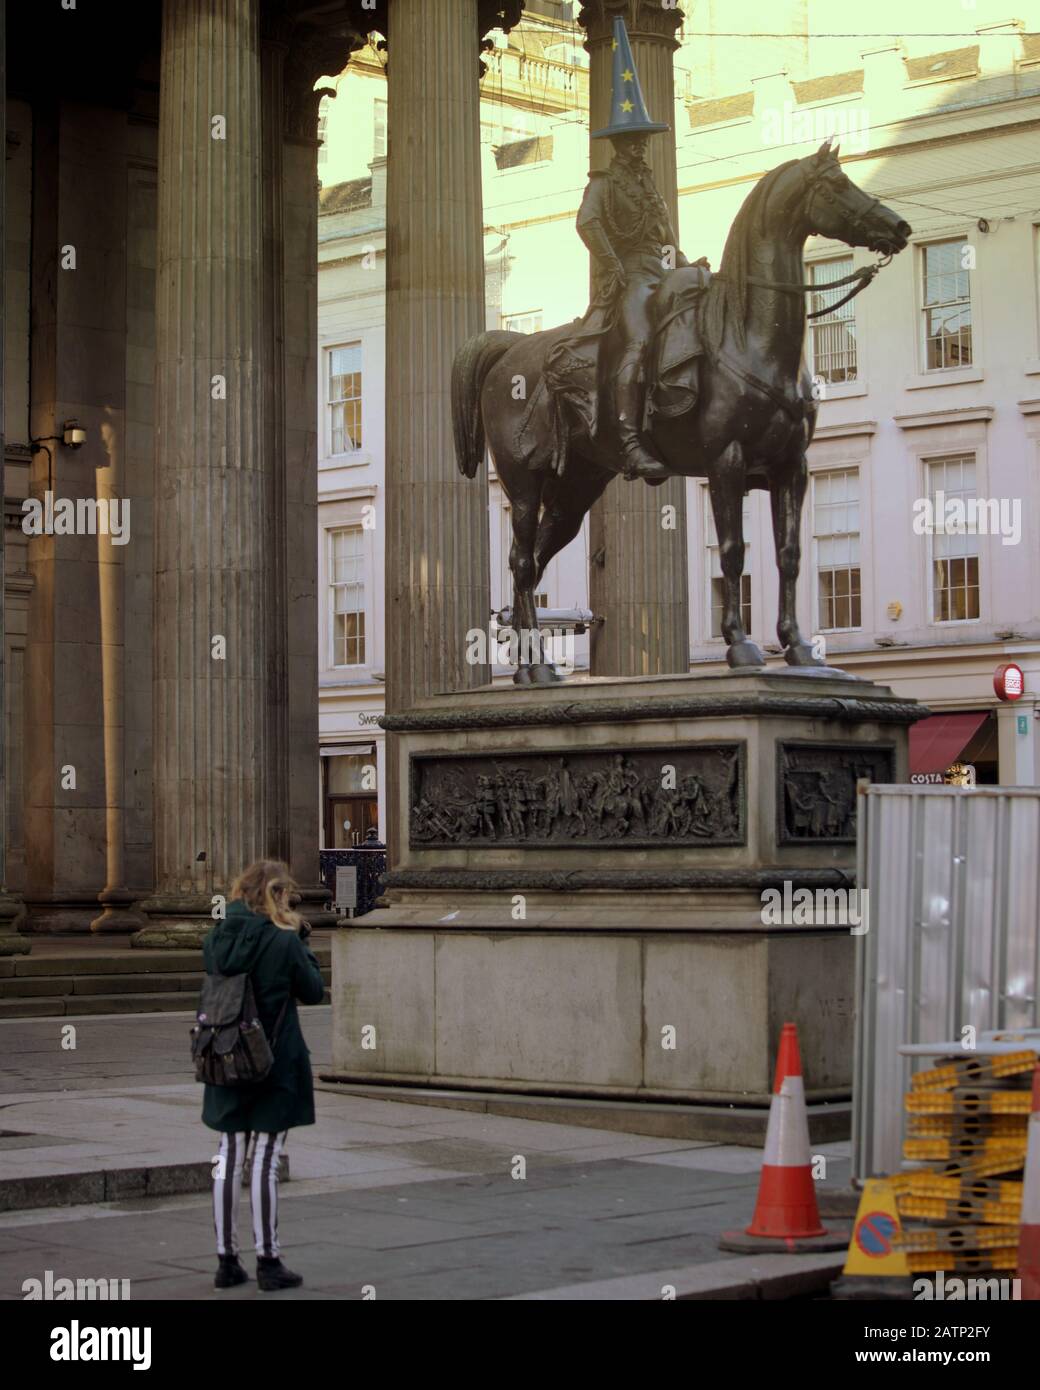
73 436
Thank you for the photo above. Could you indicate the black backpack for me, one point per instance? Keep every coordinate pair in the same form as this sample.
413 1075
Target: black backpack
228 1044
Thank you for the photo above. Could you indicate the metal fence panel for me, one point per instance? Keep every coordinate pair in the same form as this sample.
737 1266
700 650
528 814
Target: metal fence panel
953 876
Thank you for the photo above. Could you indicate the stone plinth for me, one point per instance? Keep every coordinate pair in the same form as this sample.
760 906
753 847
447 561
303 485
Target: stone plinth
581 870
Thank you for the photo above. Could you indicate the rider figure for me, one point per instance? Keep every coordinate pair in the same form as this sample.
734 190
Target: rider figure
625 223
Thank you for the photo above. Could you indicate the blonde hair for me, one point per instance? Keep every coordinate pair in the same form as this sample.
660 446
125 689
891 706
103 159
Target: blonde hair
266 888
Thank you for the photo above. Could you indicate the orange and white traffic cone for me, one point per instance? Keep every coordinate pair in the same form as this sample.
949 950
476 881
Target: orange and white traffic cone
786 1218
1029 1230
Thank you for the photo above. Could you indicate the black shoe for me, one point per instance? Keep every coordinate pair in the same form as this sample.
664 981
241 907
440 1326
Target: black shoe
272 1274
229 1273
639 463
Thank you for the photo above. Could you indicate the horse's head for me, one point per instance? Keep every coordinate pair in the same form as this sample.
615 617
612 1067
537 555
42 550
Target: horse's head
834 207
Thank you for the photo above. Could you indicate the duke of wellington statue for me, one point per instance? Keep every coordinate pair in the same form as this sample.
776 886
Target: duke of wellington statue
579 867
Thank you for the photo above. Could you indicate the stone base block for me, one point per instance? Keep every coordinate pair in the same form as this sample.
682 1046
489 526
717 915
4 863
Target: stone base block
12 917
580 900
171 934
676 1015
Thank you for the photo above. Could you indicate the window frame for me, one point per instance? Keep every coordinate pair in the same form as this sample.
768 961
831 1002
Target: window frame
332 584
379 106
815 474
849 311
929 461
537 316
923 308
329 349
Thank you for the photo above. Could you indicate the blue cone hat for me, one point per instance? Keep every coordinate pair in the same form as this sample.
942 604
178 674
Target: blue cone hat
628 113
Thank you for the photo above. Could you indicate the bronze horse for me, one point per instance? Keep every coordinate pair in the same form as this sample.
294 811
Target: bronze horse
754 414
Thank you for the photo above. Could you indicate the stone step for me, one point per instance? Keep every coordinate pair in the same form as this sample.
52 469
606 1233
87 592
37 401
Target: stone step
128 962
60 986
148 997
114 1184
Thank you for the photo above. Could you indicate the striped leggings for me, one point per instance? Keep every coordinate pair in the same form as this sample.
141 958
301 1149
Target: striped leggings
227 1187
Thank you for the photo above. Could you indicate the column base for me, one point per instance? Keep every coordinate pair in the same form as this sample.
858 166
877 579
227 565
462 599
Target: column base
118 915
316 905
12 915
174 923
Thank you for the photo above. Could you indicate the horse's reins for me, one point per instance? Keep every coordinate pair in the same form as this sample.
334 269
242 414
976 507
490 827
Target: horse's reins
859 278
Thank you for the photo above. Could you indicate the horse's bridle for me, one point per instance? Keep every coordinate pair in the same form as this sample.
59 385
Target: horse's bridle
859 279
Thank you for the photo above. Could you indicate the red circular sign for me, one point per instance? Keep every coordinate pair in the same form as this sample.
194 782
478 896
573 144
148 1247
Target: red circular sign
874 1234
1008 681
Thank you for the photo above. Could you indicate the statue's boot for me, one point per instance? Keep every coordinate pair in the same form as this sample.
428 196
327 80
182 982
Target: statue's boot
639 462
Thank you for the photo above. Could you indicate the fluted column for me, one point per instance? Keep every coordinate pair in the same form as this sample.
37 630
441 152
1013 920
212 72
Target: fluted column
437 581
12 909
212 498
638 571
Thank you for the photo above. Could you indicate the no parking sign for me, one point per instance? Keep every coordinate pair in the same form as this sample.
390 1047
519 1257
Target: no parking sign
872 1249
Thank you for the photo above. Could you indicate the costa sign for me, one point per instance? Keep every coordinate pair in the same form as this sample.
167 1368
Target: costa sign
1008 681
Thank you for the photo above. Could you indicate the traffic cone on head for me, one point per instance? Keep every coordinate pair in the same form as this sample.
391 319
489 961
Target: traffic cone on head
786 1218
1029 1230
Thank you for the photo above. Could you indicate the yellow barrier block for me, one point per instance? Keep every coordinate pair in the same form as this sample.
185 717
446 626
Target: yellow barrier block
958 1126
955 1238
952 1187
962 1101
974 1068
1006 1150
959 1209
1006 1257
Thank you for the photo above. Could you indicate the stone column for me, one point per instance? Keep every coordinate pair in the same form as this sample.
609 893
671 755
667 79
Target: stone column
638 570
290 116
212 633
12 909
437 579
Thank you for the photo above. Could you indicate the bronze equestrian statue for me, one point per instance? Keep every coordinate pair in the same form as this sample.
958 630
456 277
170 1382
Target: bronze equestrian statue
727 396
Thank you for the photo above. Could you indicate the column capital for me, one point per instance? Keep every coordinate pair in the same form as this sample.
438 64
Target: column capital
313 52
644 19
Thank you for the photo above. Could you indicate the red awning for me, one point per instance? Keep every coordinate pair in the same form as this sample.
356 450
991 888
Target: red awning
939 740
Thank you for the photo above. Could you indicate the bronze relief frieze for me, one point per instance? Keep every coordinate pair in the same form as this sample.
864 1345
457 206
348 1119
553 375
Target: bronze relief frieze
628 798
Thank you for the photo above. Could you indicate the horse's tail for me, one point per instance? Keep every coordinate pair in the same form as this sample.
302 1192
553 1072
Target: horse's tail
472 363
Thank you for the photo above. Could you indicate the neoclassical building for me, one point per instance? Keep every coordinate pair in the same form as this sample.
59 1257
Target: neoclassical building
170 691
161 336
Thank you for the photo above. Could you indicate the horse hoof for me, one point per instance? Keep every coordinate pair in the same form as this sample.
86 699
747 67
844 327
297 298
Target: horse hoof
801 654
743 654
543 673
522 676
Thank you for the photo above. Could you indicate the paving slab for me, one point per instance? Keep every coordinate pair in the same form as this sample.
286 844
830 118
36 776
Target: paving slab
419 1202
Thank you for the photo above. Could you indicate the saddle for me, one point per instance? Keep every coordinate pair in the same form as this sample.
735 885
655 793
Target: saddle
673 358
576 384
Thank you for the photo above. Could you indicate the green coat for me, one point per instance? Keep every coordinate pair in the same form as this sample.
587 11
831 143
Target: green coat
282 968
